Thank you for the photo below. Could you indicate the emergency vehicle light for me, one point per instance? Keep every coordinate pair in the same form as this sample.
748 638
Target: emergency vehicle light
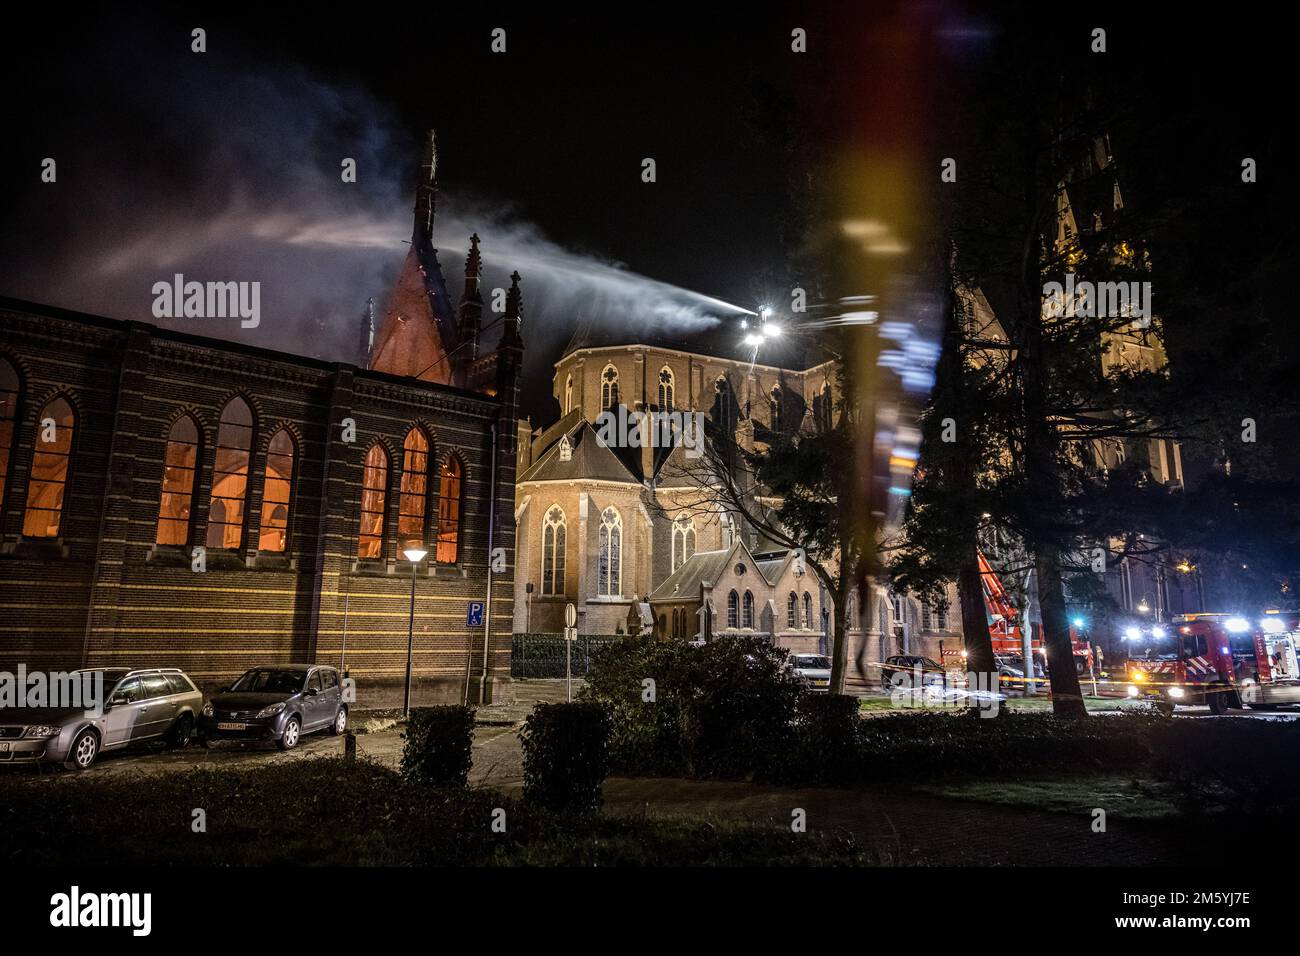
1271 625
1237 625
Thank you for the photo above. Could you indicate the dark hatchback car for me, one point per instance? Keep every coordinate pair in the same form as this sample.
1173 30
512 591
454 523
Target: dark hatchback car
279 703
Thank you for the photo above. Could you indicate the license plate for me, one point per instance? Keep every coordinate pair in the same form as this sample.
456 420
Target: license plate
232 726
4 746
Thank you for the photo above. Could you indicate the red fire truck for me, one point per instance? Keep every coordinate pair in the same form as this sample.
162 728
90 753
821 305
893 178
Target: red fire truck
1223 660
1004 624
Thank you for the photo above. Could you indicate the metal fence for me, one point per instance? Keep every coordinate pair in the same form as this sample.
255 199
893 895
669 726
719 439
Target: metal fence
542 655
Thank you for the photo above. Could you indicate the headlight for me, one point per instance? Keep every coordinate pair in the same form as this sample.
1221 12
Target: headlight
42 730
270 711
1132 690
1138 676
1237 625
207 709
1177 693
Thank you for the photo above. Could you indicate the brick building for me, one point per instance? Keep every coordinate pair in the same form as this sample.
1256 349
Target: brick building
170 499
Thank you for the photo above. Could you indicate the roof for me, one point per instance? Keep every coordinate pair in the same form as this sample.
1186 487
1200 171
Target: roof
590 461
703 567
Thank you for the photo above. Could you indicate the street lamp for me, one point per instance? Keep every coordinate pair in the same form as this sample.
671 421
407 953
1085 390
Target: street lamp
415 555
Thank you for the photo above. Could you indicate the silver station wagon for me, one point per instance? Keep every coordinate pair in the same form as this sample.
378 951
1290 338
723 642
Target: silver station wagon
152 704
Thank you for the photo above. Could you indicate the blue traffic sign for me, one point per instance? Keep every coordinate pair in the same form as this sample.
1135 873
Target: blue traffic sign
474 614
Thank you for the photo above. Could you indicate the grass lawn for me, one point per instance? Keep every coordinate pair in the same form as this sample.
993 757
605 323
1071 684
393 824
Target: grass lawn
1131 796
329 811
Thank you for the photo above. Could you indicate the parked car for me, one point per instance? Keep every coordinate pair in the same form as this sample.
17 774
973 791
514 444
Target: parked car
1014 667
280 703
157 703
906 666
814 670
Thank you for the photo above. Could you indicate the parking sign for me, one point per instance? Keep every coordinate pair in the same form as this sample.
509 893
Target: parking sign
474 614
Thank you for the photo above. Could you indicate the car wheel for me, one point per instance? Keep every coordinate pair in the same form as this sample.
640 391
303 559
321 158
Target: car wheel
292 731
340 722
1218 701
84 752
181 731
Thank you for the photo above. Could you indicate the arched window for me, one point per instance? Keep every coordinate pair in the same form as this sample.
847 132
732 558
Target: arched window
826 412
553 526
450 491
747 618
55 428
413 501
277 493
180 461
611 552
609 387
374 499
851 611
792 610
8 415
808 621
230 476
728 530
568 395
666 389
774 406
683 540
733 610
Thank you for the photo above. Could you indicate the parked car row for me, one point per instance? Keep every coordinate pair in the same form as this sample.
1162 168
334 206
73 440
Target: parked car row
277 703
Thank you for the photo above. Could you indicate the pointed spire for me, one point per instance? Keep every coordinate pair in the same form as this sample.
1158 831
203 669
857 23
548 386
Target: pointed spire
473 270
426 192
470 322
514 313
367 342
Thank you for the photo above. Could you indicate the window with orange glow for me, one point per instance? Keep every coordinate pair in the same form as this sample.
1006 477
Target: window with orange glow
449 502
230 476
55 427
413 501
8 414
374 498
277 491
179 464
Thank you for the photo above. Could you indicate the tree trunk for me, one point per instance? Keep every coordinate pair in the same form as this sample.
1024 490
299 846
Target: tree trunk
839 645
1067 697
974 616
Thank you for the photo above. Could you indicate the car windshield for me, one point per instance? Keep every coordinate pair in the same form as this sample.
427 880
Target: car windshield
270 682
812 661
1154 649
926 662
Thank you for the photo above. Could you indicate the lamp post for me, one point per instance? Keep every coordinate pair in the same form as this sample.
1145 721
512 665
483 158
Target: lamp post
415 556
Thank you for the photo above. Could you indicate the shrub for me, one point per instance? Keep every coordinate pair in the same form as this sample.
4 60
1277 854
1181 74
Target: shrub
827 744
566 755
723 709
436 745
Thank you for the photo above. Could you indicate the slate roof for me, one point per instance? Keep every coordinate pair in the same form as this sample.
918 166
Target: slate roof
591 461
700 568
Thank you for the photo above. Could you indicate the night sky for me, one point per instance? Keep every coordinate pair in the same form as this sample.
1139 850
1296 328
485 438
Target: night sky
225 165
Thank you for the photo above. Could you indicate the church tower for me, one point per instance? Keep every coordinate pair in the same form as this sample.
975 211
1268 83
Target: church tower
418 329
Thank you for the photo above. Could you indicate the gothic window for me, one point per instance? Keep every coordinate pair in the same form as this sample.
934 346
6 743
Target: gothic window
611 552
609 388
792 611
374 500
808 621
825 412
230 476
180 461
851 611
8 415
747 616
413 502
277 492
568 395
55 426
774 406
553 526
450 496
733 610
683 540
666 389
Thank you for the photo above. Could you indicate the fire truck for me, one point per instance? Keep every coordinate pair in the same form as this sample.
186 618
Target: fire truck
1223 660
1004 624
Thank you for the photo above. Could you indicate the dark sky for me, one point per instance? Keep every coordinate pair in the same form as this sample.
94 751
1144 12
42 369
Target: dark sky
224 165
